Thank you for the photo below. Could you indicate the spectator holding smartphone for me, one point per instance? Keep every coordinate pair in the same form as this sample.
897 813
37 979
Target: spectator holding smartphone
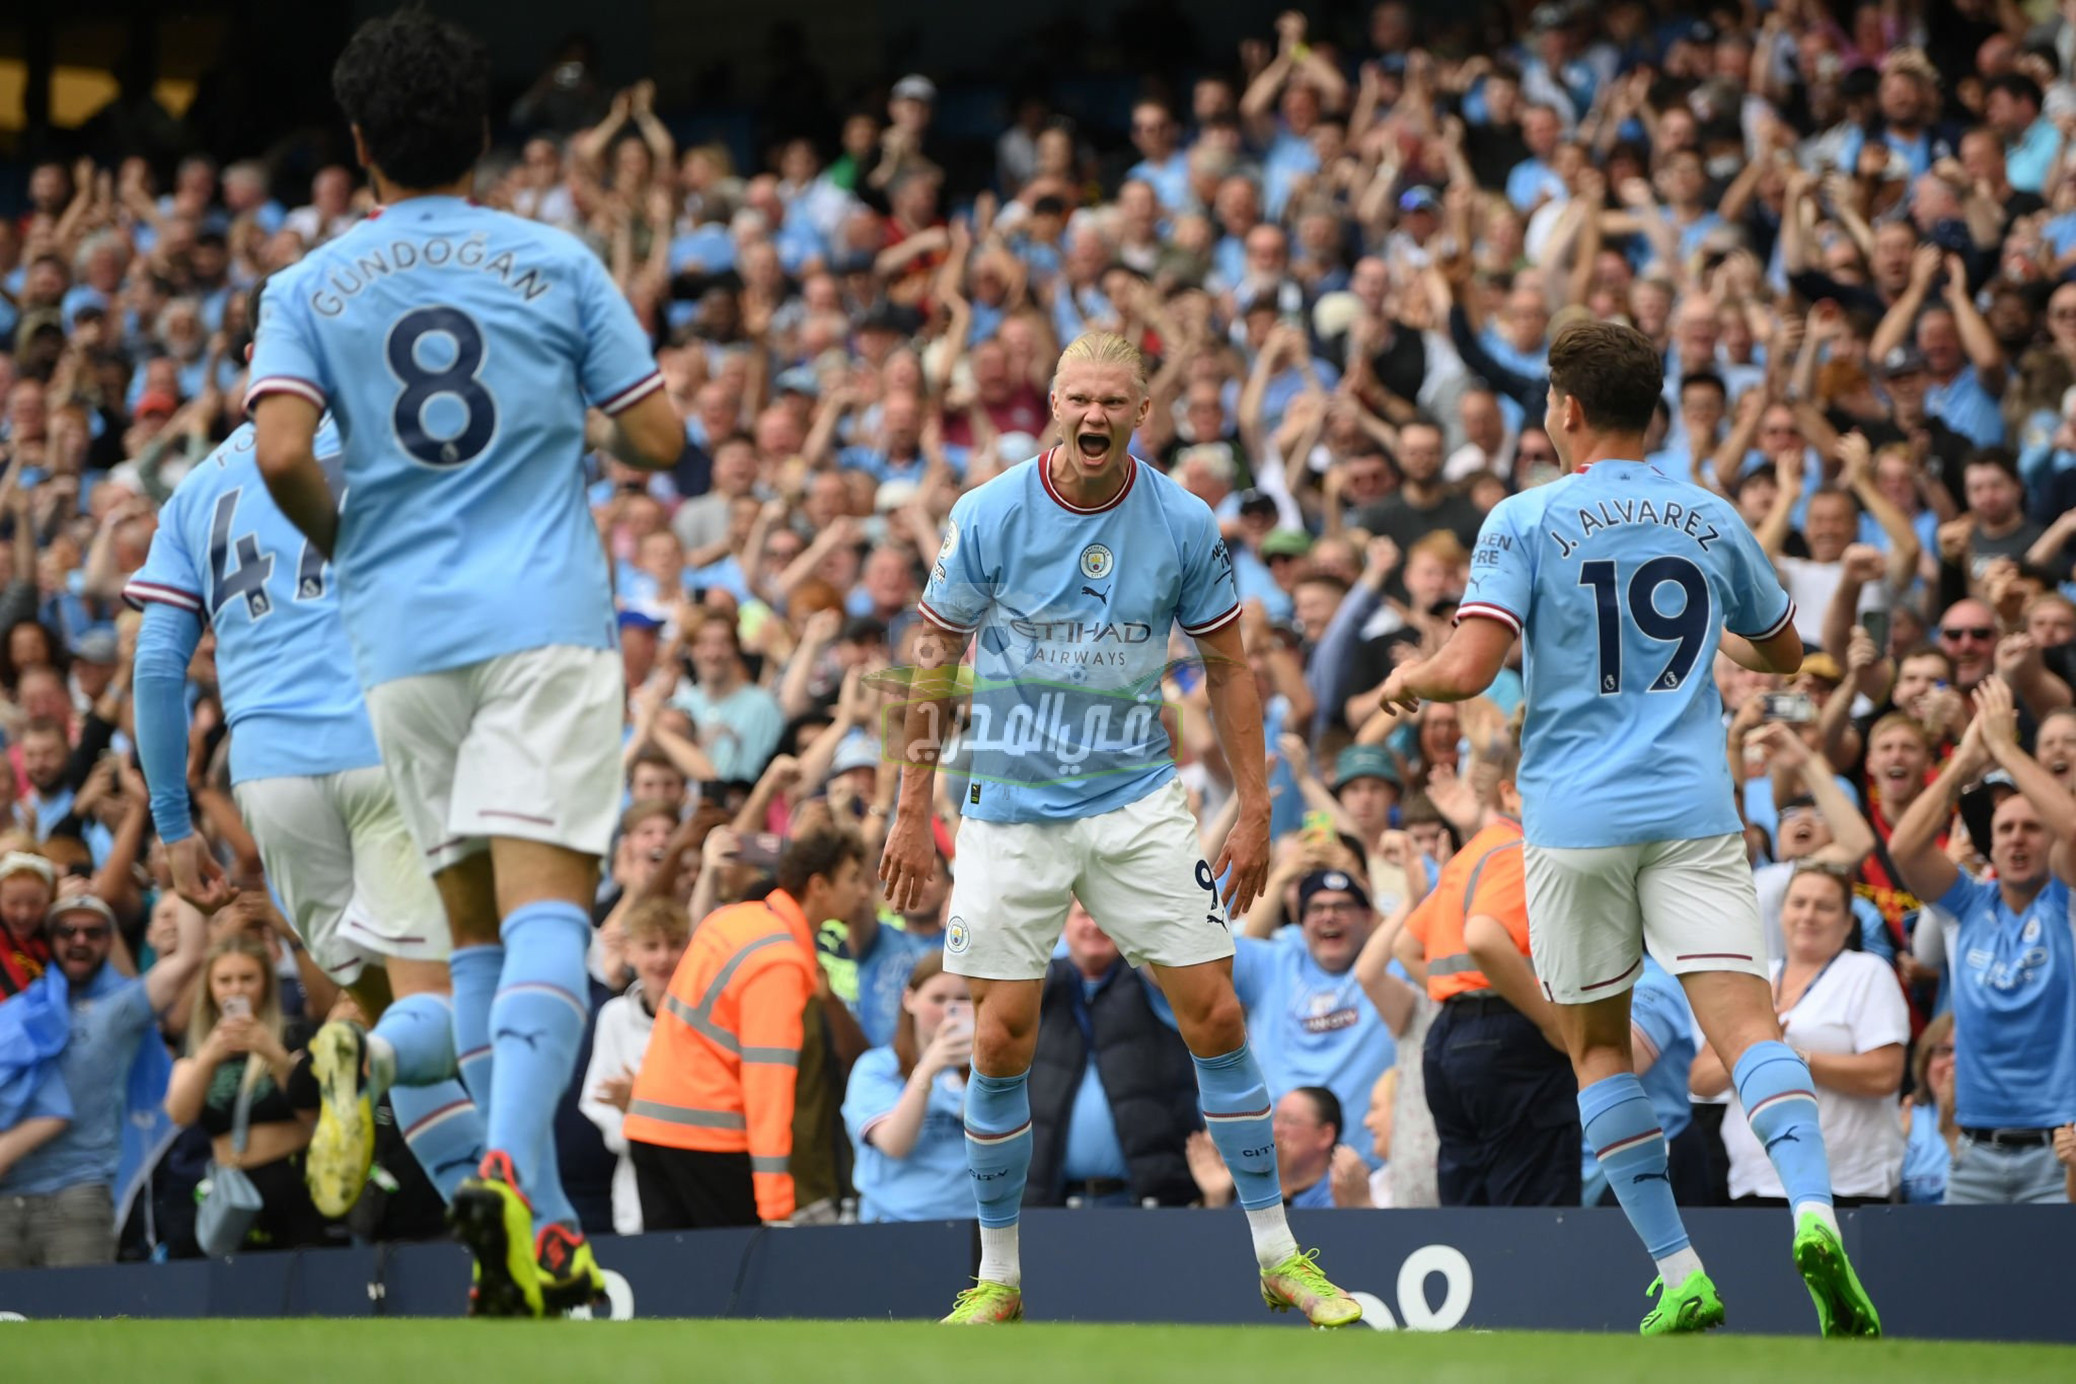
237 1043
656 932
906 1102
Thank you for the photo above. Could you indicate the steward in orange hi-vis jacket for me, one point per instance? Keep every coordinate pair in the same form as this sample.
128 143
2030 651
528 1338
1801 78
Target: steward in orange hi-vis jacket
710 1122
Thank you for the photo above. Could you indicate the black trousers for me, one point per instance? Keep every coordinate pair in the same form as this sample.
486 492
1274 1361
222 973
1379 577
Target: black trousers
1708 1119
1506 1109
689 1189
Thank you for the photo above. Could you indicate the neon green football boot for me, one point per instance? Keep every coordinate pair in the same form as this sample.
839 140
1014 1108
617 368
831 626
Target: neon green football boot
986 1304
1298 1283
1689 1309
1843 1307
342 1147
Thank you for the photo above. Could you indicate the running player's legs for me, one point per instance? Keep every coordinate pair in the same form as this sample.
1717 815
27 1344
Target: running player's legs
1702 915
538 774
1586 937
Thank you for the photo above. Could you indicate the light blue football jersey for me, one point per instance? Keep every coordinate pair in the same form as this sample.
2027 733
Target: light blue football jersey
458 348
1620 581
227 555
1071 610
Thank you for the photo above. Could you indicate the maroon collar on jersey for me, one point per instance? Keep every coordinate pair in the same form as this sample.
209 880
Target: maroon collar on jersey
1045 478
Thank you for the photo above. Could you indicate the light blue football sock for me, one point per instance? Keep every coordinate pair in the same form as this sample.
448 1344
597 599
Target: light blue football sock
474 971
1779 1099
443 1129
418 1031
1624 1134
536 1027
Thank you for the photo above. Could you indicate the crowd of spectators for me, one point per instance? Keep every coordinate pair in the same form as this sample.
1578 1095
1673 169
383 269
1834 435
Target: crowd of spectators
1850 226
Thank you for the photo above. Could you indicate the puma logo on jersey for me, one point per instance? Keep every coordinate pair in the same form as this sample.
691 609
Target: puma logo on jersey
1102 596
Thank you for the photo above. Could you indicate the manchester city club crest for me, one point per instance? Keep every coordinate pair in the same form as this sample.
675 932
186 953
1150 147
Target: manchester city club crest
951 540
957 937
1096 562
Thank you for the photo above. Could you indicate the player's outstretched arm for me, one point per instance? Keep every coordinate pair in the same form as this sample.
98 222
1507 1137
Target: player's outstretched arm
1464 667
1236 716
285 446
910 855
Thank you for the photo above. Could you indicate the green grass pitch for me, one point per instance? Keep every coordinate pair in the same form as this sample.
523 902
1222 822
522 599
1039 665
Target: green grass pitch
736 1352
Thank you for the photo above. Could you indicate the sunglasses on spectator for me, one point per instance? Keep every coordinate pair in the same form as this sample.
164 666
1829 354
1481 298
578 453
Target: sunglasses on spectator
1325 909
1942 1050
1957 633
85 932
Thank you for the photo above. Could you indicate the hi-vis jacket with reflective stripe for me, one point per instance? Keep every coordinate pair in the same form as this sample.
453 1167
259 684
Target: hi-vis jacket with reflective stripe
1486 877
725 1052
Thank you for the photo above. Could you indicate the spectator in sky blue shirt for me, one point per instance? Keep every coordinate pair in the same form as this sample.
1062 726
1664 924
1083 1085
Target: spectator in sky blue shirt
1162 162
1963 360
2012 959
904 1108
1314 1017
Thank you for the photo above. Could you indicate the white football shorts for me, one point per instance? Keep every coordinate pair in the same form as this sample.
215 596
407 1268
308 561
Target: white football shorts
349 877
1139 870
1593 910
524 745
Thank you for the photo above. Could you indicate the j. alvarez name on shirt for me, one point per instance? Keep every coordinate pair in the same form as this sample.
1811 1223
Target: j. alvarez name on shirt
345 280
1609 514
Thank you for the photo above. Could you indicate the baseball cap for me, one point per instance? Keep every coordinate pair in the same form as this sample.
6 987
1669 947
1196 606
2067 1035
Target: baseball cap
1330 882
856 752
1902 360
915 87
23 863
1287 543
81 903
156 401
95 646
1547 17
1421 198
1364 761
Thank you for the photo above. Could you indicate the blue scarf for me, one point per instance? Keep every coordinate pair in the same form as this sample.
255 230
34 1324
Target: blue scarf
33 1028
